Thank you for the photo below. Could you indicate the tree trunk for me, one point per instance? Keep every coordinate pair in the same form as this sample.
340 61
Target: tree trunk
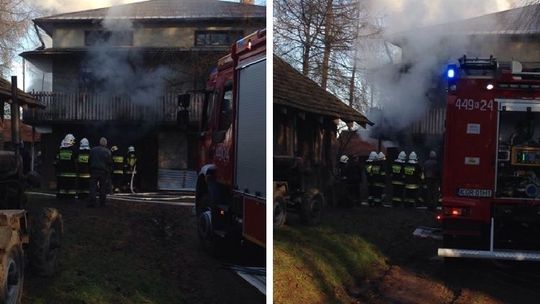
328 39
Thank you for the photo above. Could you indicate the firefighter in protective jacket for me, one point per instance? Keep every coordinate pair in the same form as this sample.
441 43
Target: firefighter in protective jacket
130 168
83 169
369 177
66 168
118 169
379 179
414 177
398 178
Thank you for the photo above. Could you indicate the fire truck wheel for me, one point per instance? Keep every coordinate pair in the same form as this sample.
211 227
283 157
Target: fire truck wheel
46 230
280 212
311 208
12 275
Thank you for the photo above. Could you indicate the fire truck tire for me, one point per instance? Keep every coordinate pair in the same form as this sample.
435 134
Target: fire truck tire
46 230
11 287
311 207
280 212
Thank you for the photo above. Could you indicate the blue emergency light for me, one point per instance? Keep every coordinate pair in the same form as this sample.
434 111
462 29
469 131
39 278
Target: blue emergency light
451 72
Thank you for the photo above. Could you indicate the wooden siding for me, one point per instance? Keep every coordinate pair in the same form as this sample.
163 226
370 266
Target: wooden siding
80 107
432 123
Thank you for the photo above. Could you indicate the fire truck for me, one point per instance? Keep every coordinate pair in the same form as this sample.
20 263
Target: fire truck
230 200
491 179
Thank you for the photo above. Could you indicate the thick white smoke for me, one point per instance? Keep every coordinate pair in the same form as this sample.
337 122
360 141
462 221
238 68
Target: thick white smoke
119 72
401 76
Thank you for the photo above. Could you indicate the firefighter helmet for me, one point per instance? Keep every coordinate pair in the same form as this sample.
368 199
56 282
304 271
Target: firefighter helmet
432 154
413 159
114 148
381 156
70 139
85 145
402 157
344 159
372 156
131 149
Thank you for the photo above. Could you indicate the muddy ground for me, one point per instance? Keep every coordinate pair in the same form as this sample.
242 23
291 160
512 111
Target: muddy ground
136 253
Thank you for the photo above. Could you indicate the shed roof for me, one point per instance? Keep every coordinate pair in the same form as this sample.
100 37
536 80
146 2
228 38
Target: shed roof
23 98
293 89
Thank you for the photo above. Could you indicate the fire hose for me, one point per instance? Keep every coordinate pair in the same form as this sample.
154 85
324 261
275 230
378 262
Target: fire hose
132 178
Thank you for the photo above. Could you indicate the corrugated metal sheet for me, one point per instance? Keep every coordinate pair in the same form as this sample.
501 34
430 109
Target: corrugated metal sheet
432 122
177 180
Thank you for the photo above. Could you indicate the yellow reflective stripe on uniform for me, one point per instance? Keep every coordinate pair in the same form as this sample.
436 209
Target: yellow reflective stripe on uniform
67 174
412 186
65 154
83 158
396 169
398 183
84 175
118 159
118 172
409 170
375 169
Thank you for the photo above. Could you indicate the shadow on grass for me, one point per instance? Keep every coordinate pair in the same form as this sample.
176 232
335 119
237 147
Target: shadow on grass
333 259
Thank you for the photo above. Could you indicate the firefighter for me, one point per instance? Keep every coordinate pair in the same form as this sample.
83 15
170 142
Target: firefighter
397 178
379 179
369 177
413 179
130 168
83 169
432 173
66 168
100 163
118 169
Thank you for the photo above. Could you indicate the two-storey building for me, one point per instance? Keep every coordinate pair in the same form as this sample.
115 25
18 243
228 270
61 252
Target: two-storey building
117 72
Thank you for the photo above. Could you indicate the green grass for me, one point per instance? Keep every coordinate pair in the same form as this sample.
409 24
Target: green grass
105 259
317 264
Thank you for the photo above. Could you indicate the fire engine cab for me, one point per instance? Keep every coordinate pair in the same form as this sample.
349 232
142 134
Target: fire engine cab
491 166
231 187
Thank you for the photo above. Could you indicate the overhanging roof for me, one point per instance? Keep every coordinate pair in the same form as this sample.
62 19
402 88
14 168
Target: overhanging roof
519 21
22 97
293 89
162 10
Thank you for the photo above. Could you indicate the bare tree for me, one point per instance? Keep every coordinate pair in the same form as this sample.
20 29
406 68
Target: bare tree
298 27
320 38
15 18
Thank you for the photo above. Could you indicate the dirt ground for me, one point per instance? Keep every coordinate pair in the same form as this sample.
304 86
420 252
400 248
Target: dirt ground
410 272
135 253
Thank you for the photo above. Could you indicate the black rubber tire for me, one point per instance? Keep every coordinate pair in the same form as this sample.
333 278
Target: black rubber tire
312 206
11 287
280 212
46 231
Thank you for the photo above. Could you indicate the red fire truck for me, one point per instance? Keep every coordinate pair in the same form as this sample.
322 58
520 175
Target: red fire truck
231 186
491 180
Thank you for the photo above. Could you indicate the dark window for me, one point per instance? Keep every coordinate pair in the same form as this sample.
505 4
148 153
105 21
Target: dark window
117 38
217 38
226 110
208 110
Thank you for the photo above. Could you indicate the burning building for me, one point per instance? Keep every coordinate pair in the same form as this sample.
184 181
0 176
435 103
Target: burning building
117 72
415 86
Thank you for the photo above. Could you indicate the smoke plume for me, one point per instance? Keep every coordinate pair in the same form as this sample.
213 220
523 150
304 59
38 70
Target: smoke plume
401 76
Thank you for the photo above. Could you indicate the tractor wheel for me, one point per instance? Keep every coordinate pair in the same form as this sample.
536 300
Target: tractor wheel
46 230
311 208
280 212
11 287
